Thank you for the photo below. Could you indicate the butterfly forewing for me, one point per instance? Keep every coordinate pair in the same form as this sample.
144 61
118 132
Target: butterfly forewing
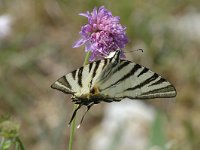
134 81
82 80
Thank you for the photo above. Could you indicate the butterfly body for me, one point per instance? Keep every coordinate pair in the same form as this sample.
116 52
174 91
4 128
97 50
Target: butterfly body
113 79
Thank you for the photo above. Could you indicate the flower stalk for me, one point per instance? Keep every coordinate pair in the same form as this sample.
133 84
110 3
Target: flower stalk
73 124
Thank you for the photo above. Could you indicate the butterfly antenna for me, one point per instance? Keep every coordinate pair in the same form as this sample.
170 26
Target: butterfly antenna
88 108
134 50
74 114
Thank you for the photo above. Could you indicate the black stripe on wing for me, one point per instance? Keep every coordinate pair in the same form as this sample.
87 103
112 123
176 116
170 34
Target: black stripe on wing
74 74
161 80
116 57
145 70
122 65
152 78
65 82
163 90
105 63
130 73
80 70
90 66
95 70
63 85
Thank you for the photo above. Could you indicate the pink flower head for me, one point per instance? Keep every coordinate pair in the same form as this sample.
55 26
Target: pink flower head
103 34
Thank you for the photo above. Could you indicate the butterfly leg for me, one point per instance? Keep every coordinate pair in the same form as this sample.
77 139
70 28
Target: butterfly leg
88 108
74 114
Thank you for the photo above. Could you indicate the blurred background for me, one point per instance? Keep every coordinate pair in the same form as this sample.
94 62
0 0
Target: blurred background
36 40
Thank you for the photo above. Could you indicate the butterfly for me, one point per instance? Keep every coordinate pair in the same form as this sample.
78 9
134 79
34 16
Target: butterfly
112 79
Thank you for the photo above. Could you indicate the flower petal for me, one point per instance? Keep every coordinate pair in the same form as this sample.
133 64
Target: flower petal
87 14
88 46
102 34
79 43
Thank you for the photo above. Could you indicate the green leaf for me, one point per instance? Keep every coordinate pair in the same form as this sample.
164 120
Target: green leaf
6 144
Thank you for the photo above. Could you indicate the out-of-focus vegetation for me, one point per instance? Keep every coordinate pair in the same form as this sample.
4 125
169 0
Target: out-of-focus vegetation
9 134
38 50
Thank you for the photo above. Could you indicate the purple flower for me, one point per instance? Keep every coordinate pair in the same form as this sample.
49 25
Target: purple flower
103 34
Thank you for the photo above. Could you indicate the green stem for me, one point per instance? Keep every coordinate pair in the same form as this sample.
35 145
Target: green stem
20 143
72 128
2 143
73 124
87 56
